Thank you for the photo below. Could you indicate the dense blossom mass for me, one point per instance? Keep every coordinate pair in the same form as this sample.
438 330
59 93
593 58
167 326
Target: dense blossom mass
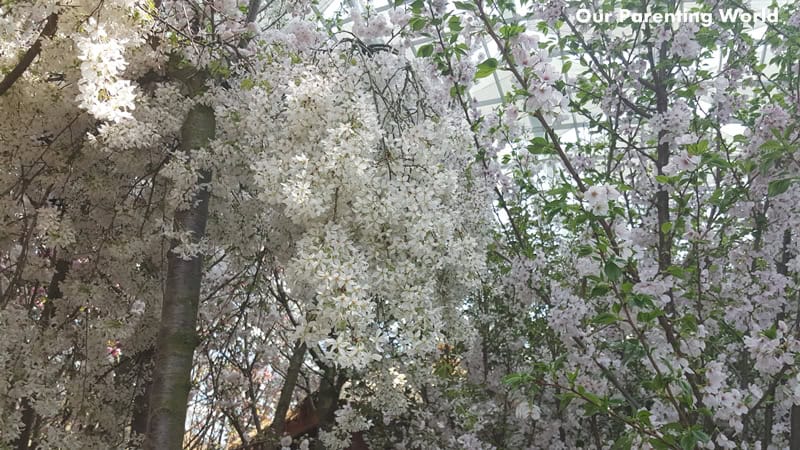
226 211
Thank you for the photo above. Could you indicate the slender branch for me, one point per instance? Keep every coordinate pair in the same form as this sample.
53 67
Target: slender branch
48 31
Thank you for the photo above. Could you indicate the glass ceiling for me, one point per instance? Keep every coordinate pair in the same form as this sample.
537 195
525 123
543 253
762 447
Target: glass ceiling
489 92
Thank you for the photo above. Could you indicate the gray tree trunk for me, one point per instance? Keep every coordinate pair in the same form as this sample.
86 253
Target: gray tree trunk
177 337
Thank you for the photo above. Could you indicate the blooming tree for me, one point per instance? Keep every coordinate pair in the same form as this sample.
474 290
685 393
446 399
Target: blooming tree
180 176
219 204
646 287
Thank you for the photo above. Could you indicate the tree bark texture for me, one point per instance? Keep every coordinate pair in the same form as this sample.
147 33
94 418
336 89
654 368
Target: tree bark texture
177 337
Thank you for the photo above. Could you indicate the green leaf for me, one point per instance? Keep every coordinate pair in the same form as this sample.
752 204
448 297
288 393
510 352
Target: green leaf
771 332
511 30
486 68
715 160
566 399
454 23
699 148
771 145
567 65
606 318
456 90
571 377
686 392
676 271
600 290
540 146
425 51
625 442
700 435
643 417
612 271
247 84
649 316
777 187
688 442
515 379
659 444
465 6
417 23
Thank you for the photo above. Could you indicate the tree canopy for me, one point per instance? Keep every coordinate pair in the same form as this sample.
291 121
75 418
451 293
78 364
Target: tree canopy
213 213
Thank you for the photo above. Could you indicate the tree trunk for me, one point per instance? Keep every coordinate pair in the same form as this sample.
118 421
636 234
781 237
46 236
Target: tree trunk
29 416
177 337
794 439
794 417
142 399
327 401
278 425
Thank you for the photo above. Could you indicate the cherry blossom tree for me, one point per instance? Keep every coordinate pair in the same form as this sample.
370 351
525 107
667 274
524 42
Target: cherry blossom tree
646 291
227 206
226 178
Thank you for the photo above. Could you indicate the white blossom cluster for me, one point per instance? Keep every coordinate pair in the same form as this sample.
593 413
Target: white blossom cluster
103 91
378 220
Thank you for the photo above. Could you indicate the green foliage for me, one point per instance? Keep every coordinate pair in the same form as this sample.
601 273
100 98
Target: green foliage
486 68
